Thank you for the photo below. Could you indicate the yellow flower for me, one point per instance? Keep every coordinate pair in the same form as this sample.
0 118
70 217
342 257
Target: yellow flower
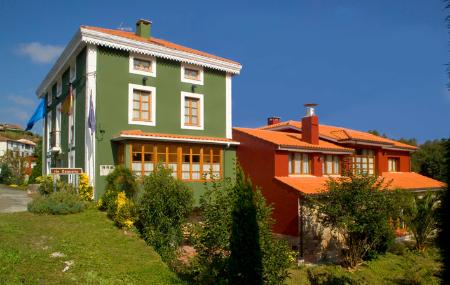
128 223
121 200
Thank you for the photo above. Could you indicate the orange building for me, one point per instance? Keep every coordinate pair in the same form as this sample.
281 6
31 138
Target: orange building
291 159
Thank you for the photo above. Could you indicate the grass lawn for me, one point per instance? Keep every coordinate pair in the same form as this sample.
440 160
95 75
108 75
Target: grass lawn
99 252
407 268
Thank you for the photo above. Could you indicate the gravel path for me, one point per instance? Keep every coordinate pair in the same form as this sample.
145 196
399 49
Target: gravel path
12 200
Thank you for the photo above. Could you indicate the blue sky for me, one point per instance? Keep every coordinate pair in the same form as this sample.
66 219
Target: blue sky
369 64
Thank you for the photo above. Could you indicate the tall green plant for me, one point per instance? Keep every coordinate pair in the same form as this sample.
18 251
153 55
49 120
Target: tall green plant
163 207
420 217
122 180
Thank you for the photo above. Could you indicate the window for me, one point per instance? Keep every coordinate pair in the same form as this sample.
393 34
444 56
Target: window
363 162
71 120
49 98
191 163
143 65
330 165
49 130
299 163
191 111
57 131
192 74
141 105
393 164
58 88
73 72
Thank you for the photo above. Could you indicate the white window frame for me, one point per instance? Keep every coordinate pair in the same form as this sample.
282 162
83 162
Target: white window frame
72 119
58 88
152 90
190 66
48 122
73 71
49 97
201 111
143 57
58 126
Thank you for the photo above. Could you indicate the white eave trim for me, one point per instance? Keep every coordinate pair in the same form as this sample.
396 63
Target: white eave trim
315 150
85 35
152 138
121 43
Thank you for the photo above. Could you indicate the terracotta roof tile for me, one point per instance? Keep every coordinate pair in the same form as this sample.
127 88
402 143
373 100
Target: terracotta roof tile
152 40
140 133
285 139
341 134
394 180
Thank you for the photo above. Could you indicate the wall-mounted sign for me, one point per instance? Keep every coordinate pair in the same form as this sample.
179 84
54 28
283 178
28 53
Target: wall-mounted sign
106 169
66 171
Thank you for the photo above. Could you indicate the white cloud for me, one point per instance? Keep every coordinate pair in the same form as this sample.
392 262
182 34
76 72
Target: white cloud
21 100
40 53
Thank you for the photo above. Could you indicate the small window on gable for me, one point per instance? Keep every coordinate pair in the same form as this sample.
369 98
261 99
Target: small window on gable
58 88
73 72
192 74
143 65
49 97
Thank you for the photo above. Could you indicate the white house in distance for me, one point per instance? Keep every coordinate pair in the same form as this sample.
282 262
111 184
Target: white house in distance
23 147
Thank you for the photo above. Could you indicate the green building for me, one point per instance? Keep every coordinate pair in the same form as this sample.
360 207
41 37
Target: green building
153 101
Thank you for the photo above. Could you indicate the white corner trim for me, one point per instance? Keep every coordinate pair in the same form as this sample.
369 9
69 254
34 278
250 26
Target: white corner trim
73 70
192 81
89 138
152 90
152 59
73 118
228 107
58 87
201 112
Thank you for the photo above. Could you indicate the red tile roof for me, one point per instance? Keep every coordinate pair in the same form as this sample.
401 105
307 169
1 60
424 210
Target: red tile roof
394 180
139 133
343 134
160 42
284 139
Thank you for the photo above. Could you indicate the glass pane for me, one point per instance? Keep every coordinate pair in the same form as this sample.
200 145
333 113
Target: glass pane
195 175
195 167
136 115
185 167
186 158
136 96
136 166
216 167
144 115
305 164
135 105
290 163
195 158
145 107
186 119
148 157
194 112
194 103
194 120
137 156
148 166
140 64
185 175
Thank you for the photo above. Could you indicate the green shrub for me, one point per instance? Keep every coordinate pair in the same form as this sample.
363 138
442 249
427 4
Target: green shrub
329 275
163 207
5 174
57 203
122 180
45 185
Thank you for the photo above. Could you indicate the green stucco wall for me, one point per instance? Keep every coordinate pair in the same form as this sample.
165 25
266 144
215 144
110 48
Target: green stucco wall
112 79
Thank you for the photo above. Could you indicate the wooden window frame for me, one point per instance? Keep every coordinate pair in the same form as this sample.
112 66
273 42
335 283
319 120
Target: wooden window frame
200 112
180 154
358 170
151 109
141 102
190 107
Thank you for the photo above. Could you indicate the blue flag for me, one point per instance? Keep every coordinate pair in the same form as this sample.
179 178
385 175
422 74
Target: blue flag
38 114
91 118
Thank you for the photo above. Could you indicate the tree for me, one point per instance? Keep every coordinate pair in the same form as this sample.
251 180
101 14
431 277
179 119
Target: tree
410 141
15 165
420 217
37 169
245 264
377 133
358 208
429 159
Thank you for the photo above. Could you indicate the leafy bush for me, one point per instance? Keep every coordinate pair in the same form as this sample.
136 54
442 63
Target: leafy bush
358 208
162 209
57 203
120 209
122 180
45 185
14 164
5 174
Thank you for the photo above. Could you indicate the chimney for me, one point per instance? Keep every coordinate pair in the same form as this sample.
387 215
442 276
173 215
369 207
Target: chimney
143 28
273 120
310 125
